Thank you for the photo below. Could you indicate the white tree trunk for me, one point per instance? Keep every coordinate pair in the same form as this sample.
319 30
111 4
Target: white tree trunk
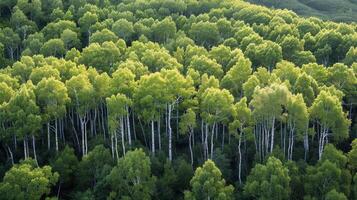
122 134
212 137
170 133
152 137
190 146
128 126
240 158
56 135
34 148
48 136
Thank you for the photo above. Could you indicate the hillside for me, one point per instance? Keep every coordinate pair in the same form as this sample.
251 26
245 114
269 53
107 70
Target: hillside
175 99
336 10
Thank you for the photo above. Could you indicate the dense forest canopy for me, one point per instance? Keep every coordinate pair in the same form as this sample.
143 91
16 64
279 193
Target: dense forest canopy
175 99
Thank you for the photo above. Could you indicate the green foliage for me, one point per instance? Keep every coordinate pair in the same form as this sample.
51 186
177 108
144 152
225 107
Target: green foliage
131 178
268 181
24 181
207 183
179 79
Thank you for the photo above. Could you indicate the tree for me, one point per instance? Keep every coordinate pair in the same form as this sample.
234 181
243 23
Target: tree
207 183
205 33
290 45
131 178
117 106
224 55
234 79
102 36
123 29
21 24
187 125
266 54
86 21
25 117
242 116
216 106
52 97
70 39
297 120
53 47
178 89
322 179
267 104
149 99
93 168
102 57
65 164
327 113
25 181
269 181
307 86
351 56
163 30
334 195
81 92
11 41
352 156
31 8
44 72
206 65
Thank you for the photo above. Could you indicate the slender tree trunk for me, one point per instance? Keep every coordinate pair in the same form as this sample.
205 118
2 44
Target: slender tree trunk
112 144
133 119
48 136
190 146
152 138
128 126
240 157
122 134
212 137
15 143
159 132
56 135
25 153
272 135
11 155
143 132
170 132
306 145
34 148
206 141
116 145
223 133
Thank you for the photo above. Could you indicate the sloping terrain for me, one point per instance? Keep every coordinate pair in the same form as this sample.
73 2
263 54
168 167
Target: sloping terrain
336 10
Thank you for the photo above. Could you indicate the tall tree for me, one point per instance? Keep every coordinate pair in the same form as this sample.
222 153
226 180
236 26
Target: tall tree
131 178
327 113
52 97
25 181
207 183
269 181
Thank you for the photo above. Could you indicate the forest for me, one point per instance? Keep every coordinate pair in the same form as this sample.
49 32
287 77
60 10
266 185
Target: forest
175 99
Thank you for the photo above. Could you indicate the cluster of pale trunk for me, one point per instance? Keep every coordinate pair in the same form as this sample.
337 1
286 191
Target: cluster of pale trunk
264 133
125 132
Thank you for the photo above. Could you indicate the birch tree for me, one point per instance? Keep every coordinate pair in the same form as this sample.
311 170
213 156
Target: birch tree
331 122
242 120
216 106
117 112
52 97
81 92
